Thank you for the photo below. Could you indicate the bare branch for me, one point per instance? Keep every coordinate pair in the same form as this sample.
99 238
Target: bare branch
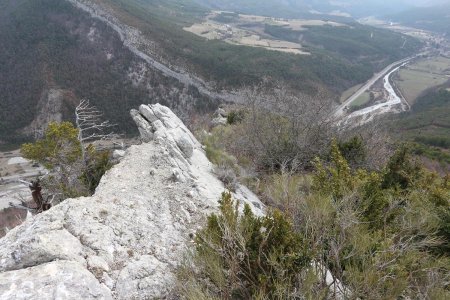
27 183
90 126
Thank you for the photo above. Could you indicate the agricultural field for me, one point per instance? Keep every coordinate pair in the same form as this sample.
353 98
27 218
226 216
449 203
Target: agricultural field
249 30
237 36
427 126
294 24
416 78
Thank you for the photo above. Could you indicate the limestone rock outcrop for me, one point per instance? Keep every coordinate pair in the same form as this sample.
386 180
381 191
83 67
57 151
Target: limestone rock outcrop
126 240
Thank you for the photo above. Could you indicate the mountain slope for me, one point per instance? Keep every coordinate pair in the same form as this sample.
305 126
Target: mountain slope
427 125
51 45
434 18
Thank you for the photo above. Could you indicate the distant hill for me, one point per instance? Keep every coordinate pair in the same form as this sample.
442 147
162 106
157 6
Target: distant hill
330 64
434 18
307 8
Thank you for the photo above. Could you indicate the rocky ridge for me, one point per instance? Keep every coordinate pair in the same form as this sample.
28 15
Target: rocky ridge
126 240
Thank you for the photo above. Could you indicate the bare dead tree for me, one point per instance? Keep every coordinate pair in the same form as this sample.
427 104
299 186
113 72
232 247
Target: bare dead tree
88 120
284 126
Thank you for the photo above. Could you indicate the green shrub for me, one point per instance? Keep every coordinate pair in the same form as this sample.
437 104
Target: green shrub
235 116
401 171
98 162
353 150
377 231
60 145
243 256
60 152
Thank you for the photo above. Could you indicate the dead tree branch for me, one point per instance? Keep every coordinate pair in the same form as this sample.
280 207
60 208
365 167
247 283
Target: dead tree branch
90 126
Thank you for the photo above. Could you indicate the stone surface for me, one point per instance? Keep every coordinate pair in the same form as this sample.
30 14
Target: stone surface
55 280
17 161
118 154
219 121
220 112
125 241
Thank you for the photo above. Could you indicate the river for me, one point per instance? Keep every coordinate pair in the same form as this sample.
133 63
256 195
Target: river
393 103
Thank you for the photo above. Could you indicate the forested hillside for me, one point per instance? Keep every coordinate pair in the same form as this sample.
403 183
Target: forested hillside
49 44
356 44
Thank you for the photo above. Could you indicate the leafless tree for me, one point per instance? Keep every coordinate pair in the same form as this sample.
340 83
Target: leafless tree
88 120
286 127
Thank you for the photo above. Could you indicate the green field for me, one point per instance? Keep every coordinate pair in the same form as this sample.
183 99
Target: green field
439 65
345 95
416 78
427 125
361 100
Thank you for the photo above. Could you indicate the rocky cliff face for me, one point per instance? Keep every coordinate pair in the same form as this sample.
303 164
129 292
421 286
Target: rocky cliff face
126 240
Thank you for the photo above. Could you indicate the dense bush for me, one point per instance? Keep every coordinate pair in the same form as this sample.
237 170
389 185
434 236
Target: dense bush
97 163
430 152
60 145
235 116
376 230
353 150
243 256
366 235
